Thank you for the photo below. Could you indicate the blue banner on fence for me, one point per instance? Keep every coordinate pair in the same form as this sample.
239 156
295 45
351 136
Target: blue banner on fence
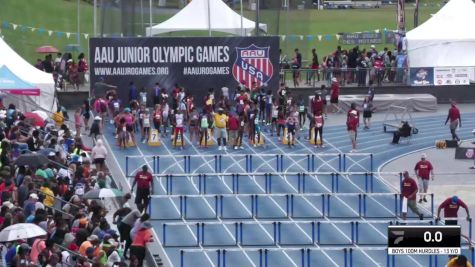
422 76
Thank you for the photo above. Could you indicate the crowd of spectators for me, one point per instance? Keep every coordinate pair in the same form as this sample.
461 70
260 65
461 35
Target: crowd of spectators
51 195
357 65
65 69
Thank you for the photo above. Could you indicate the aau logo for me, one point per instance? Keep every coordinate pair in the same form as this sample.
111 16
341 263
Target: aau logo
253 65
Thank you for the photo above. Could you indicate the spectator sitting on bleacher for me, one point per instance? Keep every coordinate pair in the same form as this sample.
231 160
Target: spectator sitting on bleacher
403 131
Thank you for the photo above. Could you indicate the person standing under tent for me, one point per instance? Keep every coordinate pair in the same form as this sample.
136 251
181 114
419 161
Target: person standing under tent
179 129
220 121
423 170
409 191
352 128
455 120
319 122
144 181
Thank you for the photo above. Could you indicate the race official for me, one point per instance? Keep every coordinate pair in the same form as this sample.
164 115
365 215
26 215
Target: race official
451 207
424 171
144 182
409 191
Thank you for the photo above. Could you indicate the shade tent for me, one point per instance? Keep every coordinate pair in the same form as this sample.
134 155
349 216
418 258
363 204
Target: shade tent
200 15
11 84
28 73
447 39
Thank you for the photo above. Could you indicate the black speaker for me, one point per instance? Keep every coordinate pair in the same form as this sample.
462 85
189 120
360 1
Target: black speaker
451 143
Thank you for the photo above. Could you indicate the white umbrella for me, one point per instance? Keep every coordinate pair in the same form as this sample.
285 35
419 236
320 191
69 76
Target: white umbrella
21 231
103 193
42 114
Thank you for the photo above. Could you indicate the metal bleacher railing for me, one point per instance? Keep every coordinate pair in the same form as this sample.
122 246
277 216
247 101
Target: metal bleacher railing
312 77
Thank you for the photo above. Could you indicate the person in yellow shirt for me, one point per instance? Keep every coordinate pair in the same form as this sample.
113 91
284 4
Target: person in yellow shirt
48 200
459 261
220 121
58 117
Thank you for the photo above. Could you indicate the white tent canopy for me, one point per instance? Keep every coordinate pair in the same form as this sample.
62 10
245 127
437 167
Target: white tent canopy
447 39
27 72
201 15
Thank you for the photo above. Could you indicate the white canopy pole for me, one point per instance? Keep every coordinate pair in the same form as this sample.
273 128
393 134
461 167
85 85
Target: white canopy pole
209 19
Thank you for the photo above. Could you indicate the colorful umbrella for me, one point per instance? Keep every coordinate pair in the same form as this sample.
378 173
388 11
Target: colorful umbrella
47 49
103 193
42 114
36 118
21 231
